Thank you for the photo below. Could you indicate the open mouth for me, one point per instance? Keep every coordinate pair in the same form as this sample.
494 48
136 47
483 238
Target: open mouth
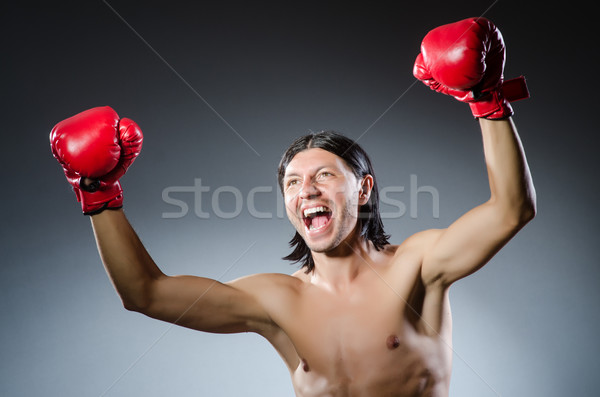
316 218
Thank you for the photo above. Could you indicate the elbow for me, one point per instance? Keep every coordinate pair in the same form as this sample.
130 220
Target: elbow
515 216
518 210
529 207
138 296
530 203
140 302
131 306
525 213
529 212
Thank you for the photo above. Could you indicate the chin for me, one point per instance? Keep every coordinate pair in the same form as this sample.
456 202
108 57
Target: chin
325 244
322 247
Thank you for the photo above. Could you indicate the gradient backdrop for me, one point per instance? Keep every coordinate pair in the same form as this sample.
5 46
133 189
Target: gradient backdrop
220 90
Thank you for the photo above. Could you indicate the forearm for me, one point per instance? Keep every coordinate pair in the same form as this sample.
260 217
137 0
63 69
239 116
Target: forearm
511 186
128 264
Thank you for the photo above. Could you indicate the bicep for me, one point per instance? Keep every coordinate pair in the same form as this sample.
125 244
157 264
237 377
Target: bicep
467 244
204 304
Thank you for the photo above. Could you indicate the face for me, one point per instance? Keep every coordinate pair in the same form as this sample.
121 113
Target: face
322 196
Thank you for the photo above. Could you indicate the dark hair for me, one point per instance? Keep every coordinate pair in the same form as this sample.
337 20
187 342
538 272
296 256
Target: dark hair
369 220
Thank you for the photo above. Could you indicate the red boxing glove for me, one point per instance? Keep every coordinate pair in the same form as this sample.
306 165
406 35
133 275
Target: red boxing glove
465 59
96 144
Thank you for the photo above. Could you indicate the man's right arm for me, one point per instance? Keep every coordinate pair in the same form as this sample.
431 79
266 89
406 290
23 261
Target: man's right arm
194 302
95 148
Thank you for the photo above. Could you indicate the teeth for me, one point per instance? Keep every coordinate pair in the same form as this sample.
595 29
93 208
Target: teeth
310 211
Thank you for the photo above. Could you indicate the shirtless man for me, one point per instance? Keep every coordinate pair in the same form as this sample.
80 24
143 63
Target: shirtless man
362 317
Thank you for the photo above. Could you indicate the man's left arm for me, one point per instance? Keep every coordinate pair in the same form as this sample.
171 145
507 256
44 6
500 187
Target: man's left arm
465 60
473 239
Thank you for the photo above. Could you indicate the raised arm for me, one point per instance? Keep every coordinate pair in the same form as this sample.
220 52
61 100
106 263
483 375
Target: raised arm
475 237
465 60
95 148
194 302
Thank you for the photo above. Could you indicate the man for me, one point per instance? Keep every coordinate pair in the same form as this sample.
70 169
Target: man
362 317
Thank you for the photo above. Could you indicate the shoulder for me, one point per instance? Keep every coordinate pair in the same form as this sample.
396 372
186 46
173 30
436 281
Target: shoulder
420 242
265 280
411 253
267 285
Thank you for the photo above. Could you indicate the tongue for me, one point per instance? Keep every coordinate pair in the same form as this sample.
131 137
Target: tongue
319 221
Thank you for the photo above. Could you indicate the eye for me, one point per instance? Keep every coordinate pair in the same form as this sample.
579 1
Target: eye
325 174
291 182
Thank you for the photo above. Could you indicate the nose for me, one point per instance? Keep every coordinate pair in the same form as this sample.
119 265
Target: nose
308 189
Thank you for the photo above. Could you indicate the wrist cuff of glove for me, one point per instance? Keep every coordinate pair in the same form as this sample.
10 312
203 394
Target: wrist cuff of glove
495 105
99 196
106 206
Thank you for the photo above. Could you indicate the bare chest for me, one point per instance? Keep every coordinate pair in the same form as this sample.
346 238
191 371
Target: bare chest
362 344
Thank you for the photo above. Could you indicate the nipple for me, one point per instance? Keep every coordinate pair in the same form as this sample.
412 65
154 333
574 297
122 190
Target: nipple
305 366
392 342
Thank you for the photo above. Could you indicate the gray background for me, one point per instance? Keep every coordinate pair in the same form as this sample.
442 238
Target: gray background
525 325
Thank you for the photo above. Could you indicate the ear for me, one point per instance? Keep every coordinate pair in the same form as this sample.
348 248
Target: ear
365 189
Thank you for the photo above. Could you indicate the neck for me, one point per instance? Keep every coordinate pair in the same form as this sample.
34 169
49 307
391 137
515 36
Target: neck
338 269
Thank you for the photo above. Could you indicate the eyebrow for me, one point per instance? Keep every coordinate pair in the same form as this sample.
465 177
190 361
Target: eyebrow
315 171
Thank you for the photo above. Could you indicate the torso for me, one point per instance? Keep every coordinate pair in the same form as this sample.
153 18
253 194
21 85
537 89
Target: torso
387 336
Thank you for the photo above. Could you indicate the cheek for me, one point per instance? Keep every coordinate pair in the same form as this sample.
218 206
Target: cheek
349 196
291 195
290 206
289 200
